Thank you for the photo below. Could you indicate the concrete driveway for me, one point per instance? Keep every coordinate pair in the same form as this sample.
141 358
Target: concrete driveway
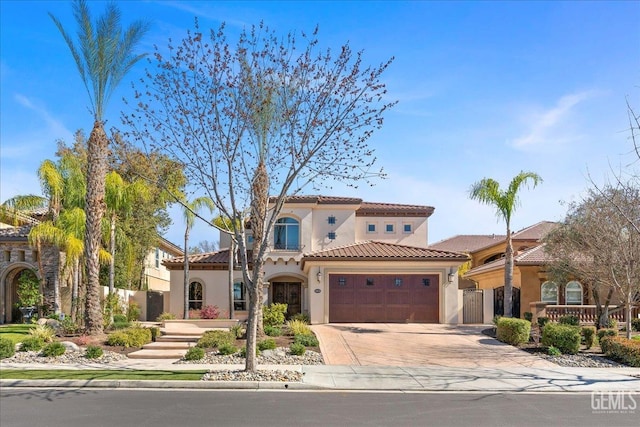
417 344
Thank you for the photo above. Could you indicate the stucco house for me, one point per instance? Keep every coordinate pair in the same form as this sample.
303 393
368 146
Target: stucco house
338 259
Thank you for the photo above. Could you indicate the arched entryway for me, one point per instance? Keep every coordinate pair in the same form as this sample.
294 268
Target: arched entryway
288 290
9 312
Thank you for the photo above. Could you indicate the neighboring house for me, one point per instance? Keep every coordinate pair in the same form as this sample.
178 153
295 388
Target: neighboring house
337 259
529 273
17 255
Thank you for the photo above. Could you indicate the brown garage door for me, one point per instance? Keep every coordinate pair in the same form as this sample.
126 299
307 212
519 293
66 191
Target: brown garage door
383 298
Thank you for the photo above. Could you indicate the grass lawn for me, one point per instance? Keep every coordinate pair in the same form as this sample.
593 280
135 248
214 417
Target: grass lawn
107 374
15 333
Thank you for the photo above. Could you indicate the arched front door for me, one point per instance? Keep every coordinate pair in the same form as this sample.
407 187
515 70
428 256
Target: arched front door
498 301
288 293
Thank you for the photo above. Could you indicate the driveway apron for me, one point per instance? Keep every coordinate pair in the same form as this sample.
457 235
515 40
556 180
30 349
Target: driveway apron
418 344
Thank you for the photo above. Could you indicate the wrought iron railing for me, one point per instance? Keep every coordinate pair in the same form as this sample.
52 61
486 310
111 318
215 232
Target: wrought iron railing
587 313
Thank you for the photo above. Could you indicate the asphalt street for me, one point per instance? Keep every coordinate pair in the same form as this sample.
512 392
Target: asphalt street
112 408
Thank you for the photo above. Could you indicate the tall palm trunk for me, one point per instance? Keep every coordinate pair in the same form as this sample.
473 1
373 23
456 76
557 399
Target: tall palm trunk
95 208
74 289
508 275
186 273
112 247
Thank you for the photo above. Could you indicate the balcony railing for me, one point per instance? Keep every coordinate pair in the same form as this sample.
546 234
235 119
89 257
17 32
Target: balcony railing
587 313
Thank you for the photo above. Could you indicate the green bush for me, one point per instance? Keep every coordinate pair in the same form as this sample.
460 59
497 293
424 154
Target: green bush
622 349
7 348
243 351
612 323
93 352
155 332
513 331
120 318
120 325
165 316
272 331
542 321
227 348
44 332
238 331
569 319
303 317
53 349
553 351
635 325
133 311
565 337
606 332
211 339
528 316
131 337
267 344
274 314
194 353
589 334
69 327
297 349
32 344
297 327
306 340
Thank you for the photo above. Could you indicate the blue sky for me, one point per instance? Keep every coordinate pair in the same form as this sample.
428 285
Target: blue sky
485 89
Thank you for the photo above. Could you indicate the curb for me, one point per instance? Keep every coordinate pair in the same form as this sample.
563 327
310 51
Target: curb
133 384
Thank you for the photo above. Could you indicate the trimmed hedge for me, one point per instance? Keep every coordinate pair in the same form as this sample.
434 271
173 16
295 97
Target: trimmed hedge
589 334
565 338
211 339
32 343
7 348
569 319
607 332
513 331
273 314
131 337
635 325
622 349
194 353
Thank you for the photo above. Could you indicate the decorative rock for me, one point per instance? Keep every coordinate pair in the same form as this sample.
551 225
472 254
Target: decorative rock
267 375
279 356
52 323
70 346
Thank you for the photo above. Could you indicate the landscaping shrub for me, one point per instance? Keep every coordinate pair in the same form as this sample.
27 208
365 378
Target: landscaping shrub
194 353
569 319
227 348
297 349
565 338
513 331
53 349
238 331
272 331
44 332
212 339
133 311
93 352
297 327
304 317
120 318
528 316
612 323
7 348
120 325
155 332
274 314
243 351
542 321
635 325
606 332
210 312
69 327
553 351
589 334
131 337
82 340
306 340
622 349
194 314
165 316
267 344
32 344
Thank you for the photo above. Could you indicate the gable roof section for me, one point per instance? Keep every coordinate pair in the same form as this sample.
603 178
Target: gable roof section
532 256
468 242
373 251
535 231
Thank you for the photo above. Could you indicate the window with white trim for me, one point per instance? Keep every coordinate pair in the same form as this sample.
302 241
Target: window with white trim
371 228
549 292
573 293
286 234
406 228
388 228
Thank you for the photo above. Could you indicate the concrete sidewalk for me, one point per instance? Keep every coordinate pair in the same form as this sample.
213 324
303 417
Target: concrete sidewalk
370 378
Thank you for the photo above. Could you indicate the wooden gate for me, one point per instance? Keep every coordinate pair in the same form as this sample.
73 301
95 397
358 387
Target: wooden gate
155 305
498 302
472 306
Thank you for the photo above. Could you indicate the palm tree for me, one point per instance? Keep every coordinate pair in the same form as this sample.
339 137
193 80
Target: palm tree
488 191
189 210
103 55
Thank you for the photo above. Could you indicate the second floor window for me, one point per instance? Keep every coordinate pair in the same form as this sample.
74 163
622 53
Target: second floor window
286 234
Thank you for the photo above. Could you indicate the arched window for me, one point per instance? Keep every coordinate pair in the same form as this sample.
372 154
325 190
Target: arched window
286 234
195 296
573 293
239 296
549 292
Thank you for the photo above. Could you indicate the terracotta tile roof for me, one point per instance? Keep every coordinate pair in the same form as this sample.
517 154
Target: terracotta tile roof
532 256
176 250
321 200
218 257
15 233
371 250
535 231
468 242
393 209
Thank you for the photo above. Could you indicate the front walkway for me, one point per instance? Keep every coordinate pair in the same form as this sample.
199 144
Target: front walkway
419 344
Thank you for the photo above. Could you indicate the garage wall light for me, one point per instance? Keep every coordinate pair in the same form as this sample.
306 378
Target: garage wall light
452 275
319 275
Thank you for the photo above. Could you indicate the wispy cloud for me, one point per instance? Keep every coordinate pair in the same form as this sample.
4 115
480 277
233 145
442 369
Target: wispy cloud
204 11
54 126
549 125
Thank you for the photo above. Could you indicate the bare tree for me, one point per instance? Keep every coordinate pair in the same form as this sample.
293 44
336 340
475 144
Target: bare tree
264 115
596 245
